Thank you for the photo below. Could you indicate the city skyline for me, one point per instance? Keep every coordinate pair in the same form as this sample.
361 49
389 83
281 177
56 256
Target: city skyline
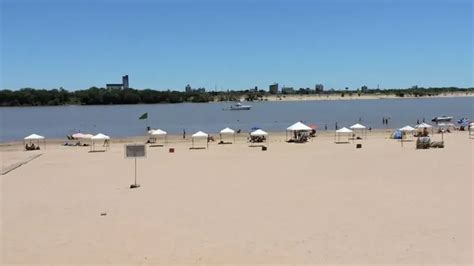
237 45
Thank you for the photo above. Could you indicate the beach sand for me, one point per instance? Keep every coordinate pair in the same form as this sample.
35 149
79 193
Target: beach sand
313 203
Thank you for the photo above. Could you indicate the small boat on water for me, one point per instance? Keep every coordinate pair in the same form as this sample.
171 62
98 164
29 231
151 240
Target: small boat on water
239 106
442 118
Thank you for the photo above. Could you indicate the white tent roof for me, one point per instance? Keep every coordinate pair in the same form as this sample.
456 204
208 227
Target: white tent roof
471 124
358 126
34 136
298 126
227 131
158 132
344 130
200 134
100 136
406 128
423 125
258 132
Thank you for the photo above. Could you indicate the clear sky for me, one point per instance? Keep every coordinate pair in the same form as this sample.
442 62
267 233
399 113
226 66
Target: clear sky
236 44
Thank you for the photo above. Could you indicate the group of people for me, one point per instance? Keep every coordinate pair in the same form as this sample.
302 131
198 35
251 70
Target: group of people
31 147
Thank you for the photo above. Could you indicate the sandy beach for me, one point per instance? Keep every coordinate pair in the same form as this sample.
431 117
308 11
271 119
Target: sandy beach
313 203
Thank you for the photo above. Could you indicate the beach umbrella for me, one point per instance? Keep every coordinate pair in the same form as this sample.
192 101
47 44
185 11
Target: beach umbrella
423 125
77 135
407 129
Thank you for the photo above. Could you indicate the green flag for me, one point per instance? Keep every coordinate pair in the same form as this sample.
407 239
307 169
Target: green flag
144 116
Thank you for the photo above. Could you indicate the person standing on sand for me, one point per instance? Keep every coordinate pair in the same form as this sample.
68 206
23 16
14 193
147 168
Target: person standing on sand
336 126
184 134
326 126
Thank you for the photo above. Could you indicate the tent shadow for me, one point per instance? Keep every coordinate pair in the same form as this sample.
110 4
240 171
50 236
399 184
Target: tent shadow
257 145
156 145
342 142
197 148
97 151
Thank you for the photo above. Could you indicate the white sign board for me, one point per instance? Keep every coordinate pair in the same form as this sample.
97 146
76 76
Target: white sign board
135 150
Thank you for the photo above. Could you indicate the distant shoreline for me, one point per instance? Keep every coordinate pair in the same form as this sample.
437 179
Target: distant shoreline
291 98
337 97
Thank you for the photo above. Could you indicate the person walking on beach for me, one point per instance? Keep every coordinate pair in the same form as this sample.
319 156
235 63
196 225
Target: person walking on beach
184 134
336 126
326 126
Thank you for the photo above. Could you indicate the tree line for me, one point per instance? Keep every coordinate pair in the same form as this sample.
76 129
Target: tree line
102 96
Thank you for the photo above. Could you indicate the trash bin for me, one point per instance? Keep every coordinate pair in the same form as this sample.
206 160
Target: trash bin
264 148
358 146
171 150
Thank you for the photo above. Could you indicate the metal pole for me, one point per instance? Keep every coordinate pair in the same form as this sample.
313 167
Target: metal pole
135 171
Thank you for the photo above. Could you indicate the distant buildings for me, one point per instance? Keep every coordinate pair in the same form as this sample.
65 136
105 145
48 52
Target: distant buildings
189 89
319 88
119 86
364 88
287 90
273 88
125 82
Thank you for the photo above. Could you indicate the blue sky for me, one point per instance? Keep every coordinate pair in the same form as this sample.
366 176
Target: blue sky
236 44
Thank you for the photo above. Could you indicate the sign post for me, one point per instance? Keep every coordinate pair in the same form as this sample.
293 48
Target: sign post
134 151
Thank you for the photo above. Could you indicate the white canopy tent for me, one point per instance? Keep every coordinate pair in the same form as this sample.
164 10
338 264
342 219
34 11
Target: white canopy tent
157 133
406 131
200 135
342 131
31 138
100 137
359 128
227 131
259 134
298 128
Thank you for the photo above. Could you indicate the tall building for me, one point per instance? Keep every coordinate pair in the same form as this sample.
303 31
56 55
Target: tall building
119 86
188 88
273 88
319 88
125 82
